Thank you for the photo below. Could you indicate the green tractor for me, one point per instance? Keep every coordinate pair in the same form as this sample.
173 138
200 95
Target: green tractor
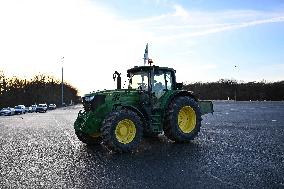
153 103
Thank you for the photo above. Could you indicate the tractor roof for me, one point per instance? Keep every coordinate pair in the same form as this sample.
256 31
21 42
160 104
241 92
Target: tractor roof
148 68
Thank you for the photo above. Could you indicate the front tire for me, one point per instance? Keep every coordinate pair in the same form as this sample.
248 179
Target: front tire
122 130
89 140
183 119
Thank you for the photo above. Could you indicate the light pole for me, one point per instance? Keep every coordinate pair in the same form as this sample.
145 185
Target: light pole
1 83
62 84
236 84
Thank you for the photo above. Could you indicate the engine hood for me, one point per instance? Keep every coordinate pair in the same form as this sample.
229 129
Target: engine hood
112 92
110 98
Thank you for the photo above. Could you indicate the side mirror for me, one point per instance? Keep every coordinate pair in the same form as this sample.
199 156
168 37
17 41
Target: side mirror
179 86
128 74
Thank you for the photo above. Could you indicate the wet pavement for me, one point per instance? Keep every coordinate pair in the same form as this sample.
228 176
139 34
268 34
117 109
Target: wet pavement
240 146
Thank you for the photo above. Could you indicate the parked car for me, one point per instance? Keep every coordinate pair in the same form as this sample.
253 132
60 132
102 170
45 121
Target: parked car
7 111
41 108
20 109
34 108
28 109
52 106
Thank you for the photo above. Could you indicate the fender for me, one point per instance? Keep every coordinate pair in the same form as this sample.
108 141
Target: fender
134 109
185 93
177 93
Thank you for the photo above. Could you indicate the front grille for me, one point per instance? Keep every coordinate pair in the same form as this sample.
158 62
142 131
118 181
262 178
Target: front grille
95 103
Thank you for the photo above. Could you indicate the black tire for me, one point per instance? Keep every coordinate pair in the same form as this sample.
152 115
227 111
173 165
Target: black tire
110 130
88 139
172 129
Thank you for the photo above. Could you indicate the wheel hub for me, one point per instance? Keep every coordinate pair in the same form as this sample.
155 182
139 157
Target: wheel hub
186 119
125 131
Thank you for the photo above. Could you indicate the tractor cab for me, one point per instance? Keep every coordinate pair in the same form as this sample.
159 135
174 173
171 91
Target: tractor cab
153 79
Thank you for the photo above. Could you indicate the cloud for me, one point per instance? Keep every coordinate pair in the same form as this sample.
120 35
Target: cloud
224 27
182 23
174 30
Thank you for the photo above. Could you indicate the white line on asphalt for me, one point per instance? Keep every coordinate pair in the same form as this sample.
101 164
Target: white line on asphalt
224 182
73 143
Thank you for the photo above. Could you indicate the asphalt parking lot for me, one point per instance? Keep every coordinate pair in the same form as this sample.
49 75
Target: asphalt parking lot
240 146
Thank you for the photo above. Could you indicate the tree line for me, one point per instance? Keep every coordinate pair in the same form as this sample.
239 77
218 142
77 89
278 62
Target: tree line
40 89
46 89
224 89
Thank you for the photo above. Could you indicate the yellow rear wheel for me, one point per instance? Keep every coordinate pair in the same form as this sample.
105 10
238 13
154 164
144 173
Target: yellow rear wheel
183 119
186 119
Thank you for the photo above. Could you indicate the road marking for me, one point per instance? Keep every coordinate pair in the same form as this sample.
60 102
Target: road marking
68 136
73 143
224 182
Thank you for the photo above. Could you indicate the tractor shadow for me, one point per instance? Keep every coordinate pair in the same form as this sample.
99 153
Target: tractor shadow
159 146
154 156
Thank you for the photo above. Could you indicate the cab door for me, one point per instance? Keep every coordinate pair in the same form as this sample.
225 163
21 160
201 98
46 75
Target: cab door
161 88
161 83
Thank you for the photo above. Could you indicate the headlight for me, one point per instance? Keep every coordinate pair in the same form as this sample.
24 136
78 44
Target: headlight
89 98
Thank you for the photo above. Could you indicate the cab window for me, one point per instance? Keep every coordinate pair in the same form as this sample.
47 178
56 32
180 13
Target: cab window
162 82
139 80
169 80
159 82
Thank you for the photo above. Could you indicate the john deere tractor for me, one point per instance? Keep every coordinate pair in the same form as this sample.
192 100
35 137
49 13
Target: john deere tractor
152 104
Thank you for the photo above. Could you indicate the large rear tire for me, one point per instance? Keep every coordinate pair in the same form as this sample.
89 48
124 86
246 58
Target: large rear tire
183 119
122 130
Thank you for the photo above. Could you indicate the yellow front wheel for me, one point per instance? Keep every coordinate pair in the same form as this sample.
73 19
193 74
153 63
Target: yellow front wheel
125 131
122 130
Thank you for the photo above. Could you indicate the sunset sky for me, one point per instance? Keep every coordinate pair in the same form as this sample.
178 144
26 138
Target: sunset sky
203 40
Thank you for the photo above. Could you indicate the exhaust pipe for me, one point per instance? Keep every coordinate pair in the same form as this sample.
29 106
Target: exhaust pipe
118 81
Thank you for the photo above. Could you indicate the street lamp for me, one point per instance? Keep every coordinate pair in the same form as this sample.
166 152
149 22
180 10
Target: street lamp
62 84
1 83
236 84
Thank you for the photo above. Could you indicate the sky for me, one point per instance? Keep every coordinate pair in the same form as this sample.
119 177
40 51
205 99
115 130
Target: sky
204 40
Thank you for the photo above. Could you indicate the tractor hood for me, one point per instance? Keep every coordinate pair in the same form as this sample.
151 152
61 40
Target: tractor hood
110 92
110 98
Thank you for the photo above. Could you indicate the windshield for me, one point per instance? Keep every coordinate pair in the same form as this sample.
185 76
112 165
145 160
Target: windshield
138 80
